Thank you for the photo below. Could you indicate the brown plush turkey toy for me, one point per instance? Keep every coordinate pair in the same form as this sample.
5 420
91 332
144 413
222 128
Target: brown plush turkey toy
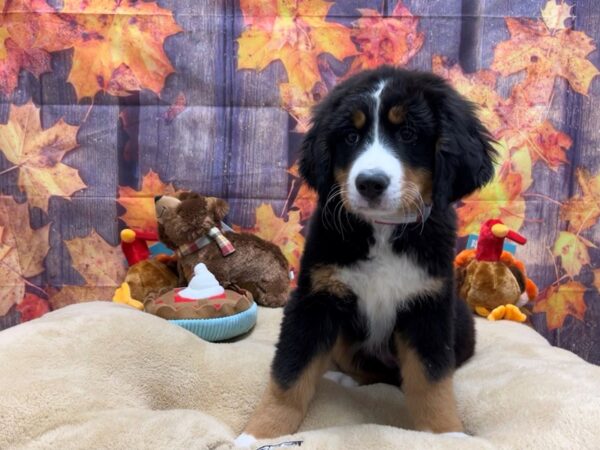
191 225
491 280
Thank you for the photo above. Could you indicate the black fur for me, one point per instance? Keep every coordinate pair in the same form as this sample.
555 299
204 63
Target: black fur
453 145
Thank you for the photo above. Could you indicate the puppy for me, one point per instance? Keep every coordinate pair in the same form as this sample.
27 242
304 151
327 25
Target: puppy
388 152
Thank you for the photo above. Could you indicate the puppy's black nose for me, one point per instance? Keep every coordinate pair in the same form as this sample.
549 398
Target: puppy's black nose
372 184
157 198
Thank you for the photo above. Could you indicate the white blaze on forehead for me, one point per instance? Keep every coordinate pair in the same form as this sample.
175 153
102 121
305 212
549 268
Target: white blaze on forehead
377 156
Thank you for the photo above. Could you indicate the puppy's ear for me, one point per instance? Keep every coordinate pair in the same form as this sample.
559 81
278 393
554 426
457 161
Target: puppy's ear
464 160
315 160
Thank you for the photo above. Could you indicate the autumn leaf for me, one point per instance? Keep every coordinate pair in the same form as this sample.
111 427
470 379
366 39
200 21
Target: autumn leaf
305 201
120 47
69 295
37 154
99 263
293 32
139 205
29 30
558 302
545 54
385 40
583 210
555 14
286 234
501 198
573 252
298 103
22 251
32 307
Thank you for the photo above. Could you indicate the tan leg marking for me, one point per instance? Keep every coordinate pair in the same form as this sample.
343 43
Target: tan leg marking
343 359
431 403
281 411
322 279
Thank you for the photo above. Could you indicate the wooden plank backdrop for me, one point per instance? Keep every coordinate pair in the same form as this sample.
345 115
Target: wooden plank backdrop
192 103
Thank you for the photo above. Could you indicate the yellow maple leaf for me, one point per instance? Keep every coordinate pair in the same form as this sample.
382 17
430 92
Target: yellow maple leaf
294 32
99 263
573 252
555 14
558 302
545 53
69 295
120 47
582 211
37 153
286 234
22 251
298 103
139 205
381 40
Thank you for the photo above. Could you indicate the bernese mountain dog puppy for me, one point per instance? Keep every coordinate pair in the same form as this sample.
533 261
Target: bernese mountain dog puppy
388 152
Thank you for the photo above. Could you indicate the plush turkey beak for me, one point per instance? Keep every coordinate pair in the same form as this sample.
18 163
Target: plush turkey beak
502 231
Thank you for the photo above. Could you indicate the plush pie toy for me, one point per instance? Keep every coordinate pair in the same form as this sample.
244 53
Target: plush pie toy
206 308
192 226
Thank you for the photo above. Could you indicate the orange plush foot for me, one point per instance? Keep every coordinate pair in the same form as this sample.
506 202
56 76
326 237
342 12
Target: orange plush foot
497 313
483 312
514 313
123 296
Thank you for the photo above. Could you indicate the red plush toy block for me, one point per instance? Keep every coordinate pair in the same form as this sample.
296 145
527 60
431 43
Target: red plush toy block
134 244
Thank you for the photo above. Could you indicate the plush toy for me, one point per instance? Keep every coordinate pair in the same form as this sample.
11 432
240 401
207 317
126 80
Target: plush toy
145 276
206 308
191 225
491 280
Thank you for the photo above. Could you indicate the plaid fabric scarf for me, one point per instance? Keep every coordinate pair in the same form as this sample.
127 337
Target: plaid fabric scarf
214 234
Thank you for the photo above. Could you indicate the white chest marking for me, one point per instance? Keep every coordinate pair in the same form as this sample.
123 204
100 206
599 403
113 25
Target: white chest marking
384 284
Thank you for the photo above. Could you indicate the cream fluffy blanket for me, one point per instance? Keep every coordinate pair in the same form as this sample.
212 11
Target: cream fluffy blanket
104 376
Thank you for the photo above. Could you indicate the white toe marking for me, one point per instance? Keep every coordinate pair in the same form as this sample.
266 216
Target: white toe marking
244 440
457 434
340 378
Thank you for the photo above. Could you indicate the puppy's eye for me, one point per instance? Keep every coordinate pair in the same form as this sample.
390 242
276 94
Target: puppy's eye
408 134
352 138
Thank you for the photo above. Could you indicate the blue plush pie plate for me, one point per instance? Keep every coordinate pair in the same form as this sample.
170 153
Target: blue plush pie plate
221 328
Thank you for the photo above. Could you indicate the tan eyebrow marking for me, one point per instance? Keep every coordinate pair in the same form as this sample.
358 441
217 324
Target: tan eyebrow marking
396 114
359 119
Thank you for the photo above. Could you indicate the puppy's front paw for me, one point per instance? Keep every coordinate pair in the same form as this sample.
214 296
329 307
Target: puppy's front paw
340 378
244 440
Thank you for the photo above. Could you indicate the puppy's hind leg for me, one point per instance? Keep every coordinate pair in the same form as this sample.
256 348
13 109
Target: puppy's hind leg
308 333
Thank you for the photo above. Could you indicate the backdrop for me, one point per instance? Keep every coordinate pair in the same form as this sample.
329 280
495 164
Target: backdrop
106 103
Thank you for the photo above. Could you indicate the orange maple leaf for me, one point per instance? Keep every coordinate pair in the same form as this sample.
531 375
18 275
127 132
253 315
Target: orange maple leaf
139 205
99 263
286 234
545 54
519 120
120 46
22 251
293 32
305 201
558 302
29 30
573 252
298 103
596 281
582 211
385 40
37 153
